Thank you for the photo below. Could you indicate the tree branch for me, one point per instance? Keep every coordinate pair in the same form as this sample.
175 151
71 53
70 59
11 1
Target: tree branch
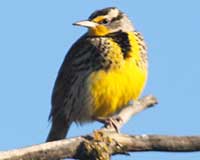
125 114
113 143
103 143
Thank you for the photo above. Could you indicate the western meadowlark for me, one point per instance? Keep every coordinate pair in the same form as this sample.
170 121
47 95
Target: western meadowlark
103 71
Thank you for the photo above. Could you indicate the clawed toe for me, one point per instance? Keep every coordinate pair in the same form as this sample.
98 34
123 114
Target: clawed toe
110 122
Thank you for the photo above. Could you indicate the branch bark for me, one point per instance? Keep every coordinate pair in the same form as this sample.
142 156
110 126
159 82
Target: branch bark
125 114
103 143
112 143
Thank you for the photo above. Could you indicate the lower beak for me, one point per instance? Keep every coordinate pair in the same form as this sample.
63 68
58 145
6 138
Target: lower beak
86 23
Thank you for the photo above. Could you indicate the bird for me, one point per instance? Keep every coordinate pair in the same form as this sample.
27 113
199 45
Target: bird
105 69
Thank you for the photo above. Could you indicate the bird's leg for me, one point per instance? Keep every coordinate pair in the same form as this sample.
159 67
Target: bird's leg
113 121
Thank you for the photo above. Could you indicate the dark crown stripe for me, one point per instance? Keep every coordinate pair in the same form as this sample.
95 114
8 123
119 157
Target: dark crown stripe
102 12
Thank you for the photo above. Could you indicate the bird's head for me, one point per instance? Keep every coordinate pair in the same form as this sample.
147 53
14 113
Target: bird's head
106 21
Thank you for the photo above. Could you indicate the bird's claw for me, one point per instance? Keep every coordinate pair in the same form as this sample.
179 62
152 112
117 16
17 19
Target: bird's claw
110 122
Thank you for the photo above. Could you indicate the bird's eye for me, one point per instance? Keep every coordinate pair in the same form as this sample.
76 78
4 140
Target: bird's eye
104 21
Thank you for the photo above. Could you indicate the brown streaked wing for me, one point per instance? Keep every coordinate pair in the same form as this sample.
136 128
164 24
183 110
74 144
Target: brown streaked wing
67 75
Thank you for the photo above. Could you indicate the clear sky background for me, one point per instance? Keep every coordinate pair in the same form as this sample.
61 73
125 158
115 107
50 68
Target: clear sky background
35 36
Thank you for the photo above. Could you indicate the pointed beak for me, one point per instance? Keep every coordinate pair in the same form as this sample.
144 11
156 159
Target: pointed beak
86 23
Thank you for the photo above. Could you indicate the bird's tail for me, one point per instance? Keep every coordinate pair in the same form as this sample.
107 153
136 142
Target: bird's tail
58 130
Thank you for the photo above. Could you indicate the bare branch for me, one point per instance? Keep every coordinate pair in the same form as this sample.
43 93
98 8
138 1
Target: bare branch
128 112
158 143
138 106
64 148
114 143
103 143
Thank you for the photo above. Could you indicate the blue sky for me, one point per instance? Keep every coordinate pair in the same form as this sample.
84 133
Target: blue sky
35 36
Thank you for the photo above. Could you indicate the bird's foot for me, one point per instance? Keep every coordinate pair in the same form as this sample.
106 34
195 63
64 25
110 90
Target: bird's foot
110 122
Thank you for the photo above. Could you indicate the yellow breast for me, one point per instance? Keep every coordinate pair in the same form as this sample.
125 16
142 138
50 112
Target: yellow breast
112 89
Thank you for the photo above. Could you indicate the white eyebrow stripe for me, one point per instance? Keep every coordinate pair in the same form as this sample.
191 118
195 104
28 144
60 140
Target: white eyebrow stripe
113 13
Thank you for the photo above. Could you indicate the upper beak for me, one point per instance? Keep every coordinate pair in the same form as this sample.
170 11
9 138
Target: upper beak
85 23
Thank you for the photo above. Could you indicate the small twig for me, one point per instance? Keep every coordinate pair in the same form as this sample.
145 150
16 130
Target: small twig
138 106
128 112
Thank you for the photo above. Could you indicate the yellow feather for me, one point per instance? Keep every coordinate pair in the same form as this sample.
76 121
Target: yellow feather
113 89
99 30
